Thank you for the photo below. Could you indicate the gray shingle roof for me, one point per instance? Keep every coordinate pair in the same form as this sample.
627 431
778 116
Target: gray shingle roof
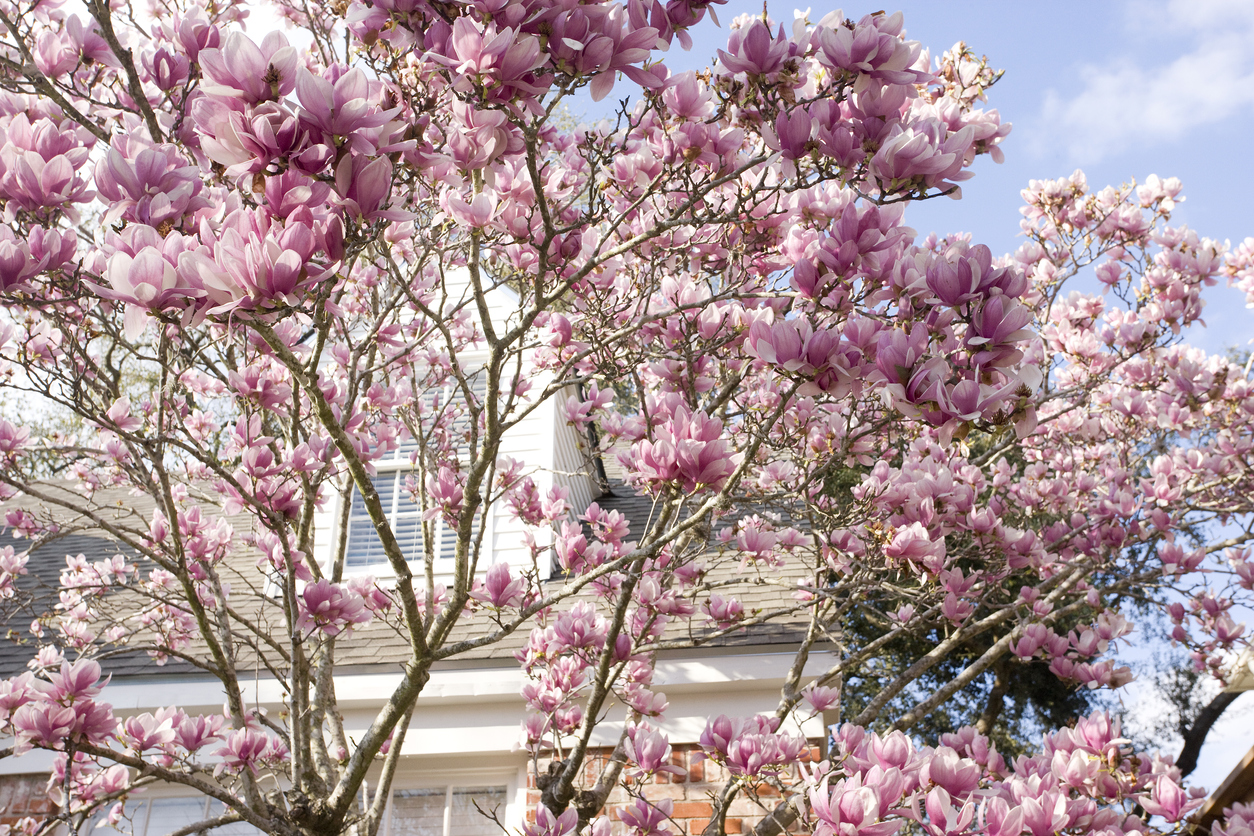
370 647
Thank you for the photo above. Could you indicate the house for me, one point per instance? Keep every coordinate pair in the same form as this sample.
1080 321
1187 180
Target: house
1238 787
462 746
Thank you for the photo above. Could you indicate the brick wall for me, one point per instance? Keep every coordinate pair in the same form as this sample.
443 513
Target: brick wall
690 792
23 795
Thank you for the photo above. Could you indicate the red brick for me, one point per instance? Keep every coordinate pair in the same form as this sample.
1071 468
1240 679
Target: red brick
675 791
696 771
692 809
677 759
697 826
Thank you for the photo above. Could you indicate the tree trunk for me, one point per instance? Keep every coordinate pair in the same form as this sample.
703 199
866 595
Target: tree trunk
996 698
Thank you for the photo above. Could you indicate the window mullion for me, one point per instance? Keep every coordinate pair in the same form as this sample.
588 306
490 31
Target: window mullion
448 807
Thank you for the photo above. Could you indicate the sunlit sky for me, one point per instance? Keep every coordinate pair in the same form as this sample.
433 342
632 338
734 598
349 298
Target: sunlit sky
1119 88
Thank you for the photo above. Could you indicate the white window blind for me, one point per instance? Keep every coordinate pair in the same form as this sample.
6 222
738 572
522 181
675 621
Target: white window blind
446 811
430 811
159 816
392 472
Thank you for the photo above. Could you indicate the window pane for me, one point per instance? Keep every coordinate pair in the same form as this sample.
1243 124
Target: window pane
408 531
448 540
239 828
364 547
171 814
418 812
467 820
136 813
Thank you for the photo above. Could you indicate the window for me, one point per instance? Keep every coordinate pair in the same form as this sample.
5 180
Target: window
158 816
446 811
448 407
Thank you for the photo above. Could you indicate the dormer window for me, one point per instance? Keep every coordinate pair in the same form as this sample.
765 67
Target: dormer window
443 411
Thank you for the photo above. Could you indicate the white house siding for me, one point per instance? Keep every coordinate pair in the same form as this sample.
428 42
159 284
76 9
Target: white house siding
570 457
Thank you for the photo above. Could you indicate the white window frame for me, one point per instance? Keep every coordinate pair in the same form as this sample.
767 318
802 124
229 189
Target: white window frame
397 465
511 813
452 779
141 809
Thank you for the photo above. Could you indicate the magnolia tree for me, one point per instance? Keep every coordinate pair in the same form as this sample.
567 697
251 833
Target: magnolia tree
246 268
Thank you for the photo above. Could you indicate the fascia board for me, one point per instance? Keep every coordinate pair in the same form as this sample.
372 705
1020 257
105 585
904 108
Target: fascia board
460 684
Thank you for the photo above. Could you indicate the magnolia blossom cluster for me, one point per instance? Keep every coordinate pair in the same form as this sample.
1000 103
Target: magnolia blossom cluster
274 285
1077 781
59 710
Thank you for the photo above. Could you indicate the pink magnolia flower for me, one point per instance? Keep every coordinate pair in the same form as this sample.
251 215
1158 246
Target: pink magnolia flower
340 106
724 612
781 344
41 186
915 546
897 353
80 681
447 494
241 69
41 250
167 70
480 136
752 50
330 608
1045 814
476 213
243 749
43 724
193 31
12 438
850 809
959 275
820 698
997 818
646 819
148 184
790 134
193 733
946 768
999 321
499 589
943 817
547 824
364 186
913 157
596 41
144 731
688 449
146 282
872 49
650 751
502 61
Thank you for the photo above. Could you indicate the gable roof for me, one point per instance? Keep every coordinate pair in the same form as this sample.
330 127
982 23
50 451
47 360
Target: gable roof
372 647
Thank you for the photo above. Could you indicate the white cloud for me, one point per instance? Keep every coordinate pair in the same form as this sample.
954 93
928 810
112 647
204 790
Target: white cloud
1186 64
